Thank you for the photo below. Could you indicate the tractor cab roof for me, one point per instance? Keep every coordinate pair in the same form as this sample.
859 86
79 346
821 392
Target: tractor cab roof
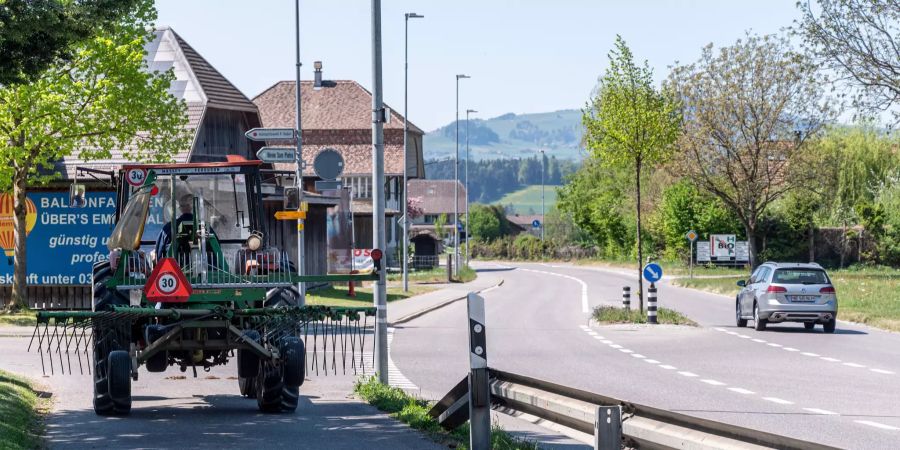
233 165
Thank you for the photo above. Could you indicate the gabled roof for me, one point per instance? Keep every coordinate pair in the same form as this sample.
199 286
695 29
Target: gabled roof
337 105
437 195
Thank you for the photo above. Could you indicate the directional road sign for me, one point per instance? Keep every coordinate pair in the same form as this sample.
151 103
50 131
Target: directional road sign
459 226
536 223
691 235
270 134
290 215
653 272
277 154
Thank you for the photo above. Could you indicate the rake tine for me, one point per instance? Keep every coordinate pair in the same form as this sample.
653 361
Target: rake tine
324 346
333 347
77 347
316 349
40 347
343 348
33 334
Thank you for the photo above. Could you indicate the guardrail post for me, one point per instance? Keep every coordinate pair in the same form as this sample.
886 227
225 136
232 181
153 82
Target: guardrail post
651 304
608 428
479 384
626 297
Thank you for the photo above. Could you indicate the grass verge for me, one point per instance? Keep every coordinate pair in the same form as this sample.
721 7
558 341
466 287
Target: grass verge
865 295
414 412
612 314
20 409
337 296
18 318
435 275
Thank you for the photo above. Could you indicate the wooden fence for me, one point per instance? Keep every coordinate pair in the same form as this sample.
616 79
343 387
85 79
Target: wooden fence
52 297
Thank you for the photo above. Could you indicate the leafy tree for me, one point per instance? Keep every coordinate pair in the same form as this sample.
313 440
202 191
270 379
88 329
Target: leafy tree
486 222
860 41
594 199
414 208
439 224
682 208
104 98
749 111
629 123
34 34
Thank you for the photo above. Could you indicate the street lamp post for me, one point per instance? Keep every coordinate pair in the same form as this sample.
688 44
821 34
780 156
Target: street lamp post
456 184
543 224
301 241
404 212
468 229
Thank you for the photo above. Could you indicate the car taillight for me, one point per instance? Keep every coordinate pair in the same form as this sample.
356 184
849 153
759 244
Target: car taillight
827 290
775 289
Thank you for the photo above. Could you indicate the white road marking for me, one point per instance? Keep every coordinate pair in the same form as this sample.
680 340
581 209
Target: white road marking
606 341
585 307
651 361
791 349
821 411
719 329
778 400
599 338
759 340
741 391
772 344
854 365
668 367
395 377
886 372
815 355
876 425
638 355
592 333
732 333
743 336
625 350
831 359
687 374
713 382
615 345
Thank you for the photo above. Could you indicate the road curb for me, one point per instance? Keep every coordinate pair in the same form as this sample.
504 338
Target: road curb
440 305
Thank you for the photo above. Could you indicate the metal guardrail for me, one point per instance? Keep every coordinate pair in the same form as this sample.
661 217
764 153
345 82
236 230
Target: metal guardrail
639 426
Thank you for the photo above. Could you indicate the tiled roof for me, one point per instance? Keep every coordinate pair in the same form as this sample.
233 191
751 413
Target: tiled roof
337 105
357 159
220 93
437 195
524 220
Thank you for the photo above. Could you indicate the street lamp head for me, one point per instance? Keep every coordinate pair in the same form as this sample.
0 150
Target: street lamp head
470 111
414 16
460 76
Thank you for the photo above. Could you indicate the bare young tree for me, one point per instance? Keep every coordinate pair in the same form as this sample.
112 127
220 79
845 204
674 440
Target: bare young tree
859 40
749 110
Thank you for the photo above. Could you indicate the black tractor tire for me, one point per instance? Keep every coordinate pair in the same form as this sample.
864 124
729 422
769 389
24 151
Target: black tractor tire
293 356
741 322
272 394
830 326
758 324
809 325
248 367
160 361
282 297
105 298
247 387
112 383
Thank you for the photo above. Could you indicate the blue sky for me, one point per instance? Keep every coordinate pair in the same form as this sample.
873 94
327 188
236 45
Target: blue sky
524 56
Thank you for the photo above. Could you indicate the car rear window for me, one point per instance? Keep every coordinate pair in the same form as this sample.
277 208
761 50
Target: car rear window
800 276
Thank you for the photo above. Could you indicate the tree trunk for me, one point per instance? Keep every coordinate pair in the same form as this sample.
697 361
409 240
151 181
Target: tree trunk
751 245
20 273
640 253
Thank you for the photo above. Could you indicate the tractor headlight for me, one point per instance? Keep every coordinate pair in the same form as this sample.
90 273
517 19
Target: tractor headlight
254 242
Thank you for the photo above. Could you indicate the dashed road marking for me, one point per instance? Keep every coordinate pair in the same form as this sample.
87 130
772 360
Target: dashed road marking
615 345
849 364
668 367
688 374
876 425
791 349
606 341
886 372
814 355
599 338
778 400
830 359
772 344
719 329
651 361
638 355
625 350
741 390
585 307
821 411
759 340
713 382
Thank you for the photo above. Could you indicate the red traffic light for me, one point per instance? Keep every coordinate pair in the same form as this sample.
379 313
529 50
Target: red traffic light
376 254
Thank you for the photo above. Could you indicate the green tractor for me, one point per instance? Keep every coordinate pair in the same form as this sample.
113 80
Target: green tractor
193 281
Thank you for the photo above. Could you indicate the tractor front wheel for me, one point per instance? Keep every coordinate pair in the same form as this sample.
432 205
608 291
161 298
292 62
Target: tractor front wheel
272 394
112 383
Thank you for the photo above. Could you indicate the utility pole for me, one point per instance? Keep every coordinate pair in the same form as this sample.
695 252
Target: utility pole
378 118
405 209
468 230
301 242
543 223
456 184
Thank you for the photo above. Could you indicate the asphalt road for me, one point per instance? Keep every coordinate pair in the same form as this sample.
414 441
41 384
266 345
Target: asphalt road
833 389
173 410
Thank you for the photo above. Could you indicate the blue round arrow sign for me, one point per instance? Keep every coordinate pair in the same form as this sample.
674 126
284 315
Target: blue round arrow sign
653 272
536 223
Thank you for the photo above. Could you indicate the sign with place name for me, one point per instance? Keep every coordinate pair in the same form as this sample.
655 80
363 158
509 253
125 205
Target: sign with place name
290 215
63 243
702 251
653 272
277 154
270 134
691 235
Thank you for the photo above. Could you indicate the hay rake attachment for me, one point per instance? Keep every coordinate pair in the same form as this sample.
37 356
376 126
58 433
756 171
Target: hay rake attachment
335 339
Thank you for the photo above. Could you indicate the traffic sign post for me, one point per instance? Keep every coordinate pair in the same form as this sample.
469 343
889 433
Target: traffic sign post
277 154
536 223
652 272
691 237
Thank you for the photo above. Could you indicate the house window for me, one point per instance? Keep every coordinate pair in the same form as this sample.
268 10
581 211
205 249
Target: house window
362 186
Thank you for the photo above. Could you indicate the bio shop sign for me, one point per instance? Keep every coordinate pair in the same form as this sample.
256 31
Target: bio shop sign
722 245
62 243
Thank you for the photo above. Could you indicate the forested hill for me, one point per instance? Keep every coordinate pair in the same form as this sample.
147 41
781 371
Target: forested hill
511 136
490 180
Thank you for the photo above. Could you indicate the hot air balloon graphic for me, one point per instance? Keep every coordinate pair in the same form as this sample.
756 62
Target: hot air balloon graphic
7 224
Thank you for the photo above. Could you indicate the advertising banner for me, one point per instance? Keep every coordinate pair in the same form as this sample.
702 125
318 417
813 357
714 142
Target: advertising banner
362 260
63 243
702 251
722 246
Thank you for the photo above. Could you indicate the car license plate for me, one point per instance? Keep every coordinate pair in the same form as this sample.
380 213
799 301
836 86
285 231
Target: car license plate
802 298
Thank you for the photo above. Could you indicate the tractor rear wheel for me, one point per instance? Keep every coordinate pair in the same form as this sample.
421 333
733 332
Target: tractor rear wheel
248 367
105 298
293 355
112 382
272 394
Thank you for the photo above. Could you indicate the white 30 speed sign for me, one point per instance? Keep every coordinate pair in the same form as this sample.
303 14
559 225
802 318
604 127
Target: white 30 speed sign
135 177
167 283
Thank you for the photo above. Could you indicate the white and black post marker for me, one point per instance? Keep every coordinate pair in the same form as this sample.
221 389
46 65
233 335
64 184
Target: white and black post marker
608 428
479 384
651 304
626 298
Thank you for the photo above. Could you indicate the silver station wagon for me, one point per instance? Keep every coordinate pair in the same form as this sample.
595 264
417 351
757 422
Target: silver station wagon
787 292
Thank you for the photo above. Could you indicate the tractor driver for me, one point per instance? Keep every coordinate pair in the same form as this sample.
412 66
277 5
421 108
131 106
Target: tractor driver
186 207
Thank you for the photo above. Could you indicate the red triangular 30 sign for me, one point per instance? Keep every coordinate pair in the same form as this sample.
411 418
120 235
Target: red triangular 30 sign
167 283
